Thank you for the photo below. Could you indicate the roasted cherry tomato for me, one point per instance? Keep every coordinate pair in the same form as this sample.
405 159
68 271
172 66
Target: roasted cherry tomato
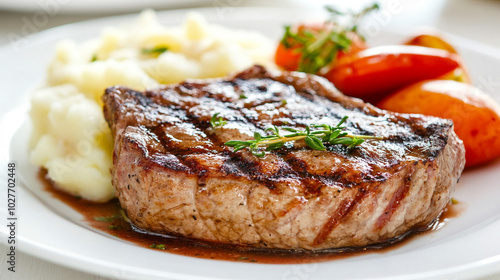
431 40
288 56
357 44
475 115
373 73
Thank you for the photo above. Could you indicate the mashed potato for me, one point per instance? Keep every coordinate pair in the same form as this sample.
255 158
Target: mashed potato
71 138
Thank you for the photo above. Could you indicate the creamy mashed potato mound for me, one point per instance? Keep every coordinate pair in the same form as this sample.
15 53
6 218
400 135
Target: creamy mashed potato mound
72 140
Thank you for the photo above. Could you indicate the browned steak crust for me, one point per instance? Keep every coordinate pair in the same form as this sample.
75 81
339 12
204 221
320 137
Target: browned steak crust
174 175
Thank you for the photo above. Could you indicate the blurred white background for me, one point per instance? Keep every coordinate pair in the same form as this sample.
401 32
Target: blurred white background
474 19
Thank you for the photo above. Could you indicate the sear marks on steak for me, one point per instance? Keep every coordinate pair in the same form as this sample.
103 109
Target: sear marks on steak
174 175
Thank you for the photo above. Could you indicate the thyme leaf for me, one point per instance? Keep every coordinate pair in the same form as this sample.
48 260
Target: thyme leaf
314 136
217 121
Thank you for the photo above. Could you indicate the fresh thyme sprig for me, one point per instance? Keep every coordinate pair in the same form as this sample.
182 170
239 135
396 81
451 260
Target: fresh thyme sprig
217 121
319 48
313 138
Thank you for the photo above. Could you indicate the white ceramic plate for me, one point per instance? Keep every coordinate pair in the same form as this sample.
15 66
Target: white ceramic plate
467 246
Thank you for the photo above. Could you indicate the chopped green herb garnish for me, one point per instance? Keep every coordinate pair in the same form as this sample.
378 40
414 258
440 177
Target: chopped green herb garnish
319 48
242 96
94 58
313 138
113 227
106 219
217 121
453 201
155 50
157 246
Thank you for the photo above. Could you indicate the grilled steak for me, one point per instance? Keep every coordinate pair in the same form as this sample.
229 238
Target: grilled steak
174 175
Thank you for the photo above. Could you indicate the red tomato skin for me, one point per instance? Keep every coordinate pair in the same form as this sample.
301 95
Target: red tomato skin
373 73
287 58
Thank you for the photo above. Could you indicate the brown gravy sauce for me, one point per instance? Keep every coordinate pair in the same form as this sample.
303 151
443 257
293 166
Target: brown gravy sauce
107 217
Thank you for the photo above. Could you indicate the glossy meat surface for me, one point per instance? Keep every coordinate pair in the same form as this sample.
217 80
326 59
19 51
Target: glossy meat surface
174 175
